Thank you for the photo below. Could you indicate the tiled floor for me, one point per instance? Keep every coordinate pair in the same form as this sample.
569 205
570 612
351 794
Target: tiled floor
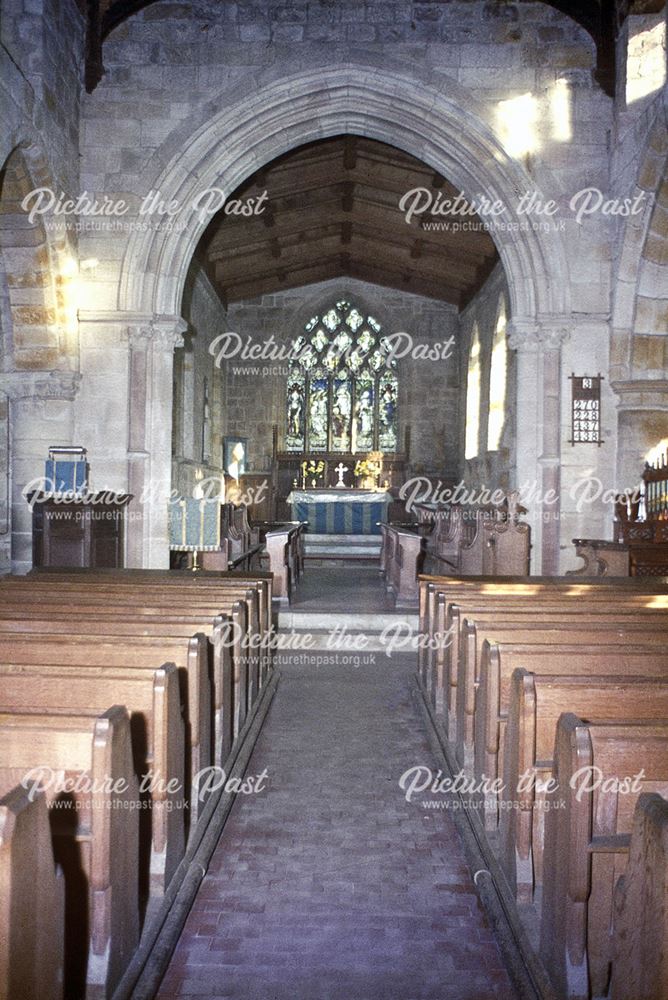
329 885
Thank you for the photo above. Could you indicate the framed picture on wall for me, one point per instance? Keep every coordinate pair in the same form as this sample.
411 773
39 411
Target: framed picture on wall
234 456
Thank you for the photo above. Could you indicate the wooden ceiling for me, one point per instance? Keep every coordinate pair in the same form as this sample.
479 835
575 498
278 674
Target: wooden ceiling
332 210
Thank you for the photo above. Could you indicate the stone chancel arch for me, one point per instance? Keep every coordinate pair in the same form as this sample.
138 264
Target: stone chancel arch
433 119
436 123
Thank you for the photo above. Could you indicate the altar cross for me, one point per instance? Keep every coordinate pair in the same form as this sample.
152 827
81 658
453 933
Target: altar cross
340 469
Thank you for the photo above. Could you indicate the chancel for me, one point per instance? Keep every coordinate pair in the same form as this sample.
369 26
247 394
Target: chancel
333 475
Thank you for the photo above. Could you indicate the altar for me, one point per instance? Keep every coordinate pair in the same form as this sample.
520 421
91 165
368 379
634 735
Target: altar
340 512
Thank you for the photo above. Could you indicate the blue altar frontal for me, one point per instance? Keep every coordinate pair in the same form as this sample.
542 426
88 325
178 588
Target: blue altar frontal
340 512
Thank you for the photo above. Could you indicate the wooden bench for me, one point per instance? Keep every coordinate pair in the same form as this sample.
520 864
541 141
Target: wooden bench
499 661
443 668
436 593
536 704
487 539
95 836
640 928
152 700
601 558
402 555
572 627
587 841
284 545
160 578
32 901
208 599
190 656
230 633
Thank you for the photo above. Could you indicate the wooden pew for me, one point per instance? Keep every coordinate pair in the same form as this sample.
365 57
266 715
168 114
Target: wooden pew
190 656
284 545
568 627
486 539
436 593
640 928
536 704
123 632
586 842
95 836
435 665
601 558
153 702
205 600
159 578
443 669
403 553
32 901
499 661
227 632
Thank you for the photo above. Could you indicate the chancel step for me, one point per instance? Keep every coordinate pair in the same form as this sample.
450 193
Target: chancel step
349 631
339 549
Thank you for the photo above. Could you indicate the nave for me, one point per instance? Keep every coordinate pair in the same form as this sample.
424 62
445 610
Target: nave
332 863
330 885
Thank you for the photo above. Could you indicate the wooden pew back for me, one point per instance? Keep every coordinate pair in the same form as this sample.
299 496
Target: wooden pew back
32 901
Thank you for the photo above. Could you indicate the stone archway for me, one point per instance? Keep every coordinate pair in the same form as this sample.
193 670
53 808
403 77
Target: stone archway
39 347
423 113
639 362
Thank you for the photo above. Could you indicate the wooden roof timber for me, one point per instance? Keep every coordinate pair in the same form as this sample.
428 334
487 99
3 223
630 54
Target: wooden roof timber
272 283
333 209
459 273
432 243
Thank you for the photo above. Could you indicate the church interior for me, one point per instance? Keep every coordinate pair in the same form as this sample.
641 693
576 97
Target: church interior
333 500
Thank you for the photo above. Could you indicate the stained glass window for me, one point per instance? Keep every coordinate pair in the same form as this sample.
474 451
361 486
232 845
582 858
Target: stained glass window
342 391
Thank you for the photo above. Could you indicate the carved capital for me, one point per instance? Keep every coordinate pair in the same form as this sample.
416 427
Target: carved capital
40 384
545 333
163 333
521 335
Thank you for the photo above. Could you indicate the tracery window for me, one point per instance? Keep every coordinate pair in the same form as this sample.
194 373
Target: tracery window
497 382
473 398
342 389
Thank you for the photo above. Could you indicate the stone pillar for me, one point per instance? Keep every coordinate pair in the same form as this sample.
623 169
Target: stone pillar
40 414
151 360
538 346
642 421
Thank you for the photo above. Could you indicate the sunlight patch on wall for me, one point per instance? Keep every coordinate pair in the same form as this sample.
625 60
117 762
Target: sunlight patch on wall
645 61
561 111
518 119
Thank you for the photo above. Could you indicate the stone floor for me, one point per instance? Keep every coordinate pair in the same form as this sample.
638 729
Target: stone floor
353 589
328 885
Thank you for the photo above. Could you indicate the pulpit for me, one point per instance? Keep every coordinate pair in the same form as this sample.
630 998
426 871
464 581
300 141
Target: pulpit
340 512
79 531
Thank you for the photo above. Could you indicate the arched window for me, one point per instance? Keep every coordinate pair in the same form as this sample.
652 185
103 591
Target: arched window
342 389
497 382
473 397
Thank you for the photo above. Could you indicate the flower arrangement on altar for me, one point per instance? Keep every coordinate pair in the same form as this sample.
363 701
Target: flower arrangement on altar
311 468
368 470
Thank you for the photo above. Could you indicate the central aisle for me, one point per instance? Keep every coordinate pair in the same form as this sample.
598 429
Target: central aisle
328 885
